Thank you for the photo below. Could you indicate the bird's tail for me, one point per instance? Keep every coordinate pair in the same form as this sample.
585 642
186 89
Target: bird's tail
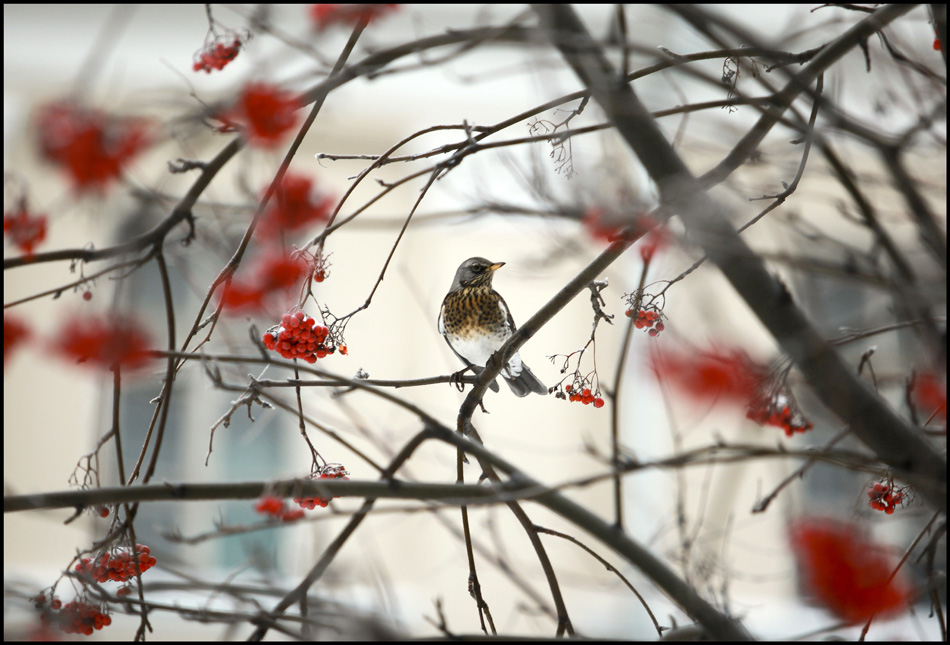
525 383
494 384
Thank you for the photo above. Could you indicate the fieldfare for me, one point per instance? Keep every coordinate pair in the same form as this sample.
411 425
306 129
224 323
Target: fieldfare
475 322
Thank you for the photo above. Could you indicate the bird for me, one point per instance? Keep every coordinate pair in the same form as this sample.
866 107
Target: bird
475 321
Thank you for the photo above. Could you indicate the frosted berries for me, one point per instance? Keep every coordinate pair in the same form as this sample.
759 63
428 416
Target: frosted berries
25 229
299 336
75 617
275 508
220 52
776 407
117 565
330 471
580 394
885 496
649 319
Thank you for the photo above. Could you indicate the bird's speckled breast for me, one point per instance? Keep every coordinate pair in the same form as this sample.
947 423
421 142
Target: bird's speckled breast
468 312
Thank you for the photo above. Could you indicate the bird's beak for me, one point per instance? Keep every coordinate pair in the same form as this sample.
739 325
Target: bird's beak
496 266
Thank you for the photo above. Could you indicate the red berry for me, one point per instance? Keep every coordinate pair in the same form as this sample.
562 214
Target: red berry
598 402
292 515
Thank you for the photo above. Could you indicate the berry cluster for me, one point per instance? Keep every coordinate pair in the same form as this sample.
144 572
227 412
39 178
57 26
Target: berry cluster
718 374
90 145
76 617
330 471
321 268
15 333
885 496
104 342
651 320
216 55
327 15
296 203
117 565
24 229
299 336
847 573
39 601
776 408
273 272
275 507
265 113
582 394
930 394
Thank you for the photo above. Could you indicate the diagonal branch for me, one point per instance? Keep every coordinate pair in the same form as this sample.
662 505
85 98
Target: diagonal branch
870 418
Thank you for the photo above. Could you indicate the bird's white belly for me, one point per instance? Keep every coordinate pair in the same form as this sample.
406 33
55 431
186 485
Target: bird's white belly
478 351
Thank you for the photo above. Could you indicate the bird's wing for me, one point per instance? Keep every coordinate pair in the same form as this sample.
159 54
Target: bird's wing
446 337
514 363
504 307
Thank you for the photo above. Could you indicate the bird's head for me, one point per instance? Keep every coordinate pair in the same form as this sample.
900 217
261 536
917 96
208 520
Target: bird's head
475 272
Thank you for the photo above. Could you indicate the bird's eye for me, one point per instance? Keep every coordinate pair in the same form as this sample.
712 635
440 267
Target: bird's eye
478 268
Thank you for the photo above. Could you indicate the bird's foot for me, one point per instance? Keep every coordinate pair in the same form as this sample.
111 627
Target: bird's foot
456 378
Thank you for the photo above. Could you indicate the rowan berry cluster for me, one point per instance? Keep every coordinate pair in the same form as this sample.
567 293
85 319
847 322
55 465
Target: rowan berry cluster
847 573
776 408
40 601
264 113
330 471
885 496
76 617
90 145
24 229
930 394
581 394
648 319
272 275
104 342
216 55
299 336
117 565
327 15
296 204
15 333
275 508
321 268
